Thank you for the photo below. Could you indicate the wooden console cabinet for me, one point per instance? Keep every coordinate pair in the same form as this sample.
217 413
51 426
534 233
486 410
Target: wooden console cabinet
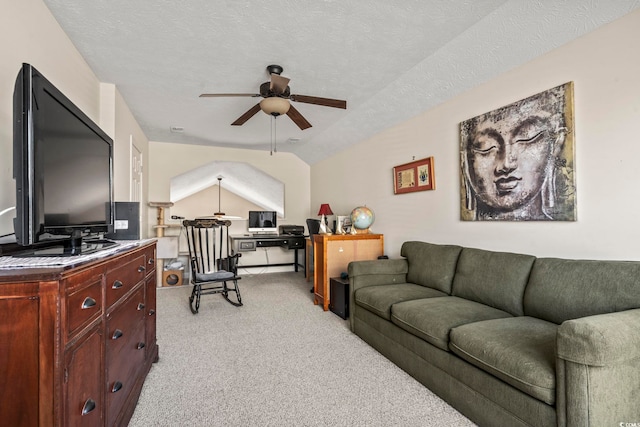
76 343
332 255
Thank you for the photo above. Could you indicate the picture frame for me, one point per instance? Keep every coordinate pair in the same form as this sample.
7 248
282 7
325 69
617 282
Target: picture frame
414 176
342 221
538 183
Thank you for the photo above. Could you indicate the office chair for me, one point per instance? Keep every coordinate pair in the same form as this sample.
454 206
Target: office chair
211 265
313 225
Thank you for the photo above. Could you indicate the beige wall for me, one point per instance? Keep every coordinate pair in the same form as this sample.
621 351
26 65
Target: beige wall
170 159
605 66
29 33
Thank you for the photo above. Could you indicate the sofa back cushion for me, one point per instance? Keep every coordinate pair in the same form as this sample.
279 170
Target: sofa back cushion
496 279
563 289
430 264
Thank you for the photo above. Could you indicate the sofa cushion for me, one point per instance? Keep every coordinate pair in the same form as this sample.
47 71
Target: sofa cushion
497 279
379 299
563 289
430 264
431 319
518 350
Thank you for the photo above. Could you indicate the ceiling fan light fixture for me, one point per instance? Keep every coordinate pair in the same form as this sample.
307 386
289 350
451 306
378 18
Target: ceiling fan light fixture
275 106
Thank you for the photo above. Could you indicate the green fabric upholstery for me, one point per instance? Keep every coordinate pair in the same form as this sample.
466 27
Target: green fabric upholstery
508 339
431 319
496 279
601 340
431 265
598 395
482 397
380 268
379 299
519 350
375 273
563 289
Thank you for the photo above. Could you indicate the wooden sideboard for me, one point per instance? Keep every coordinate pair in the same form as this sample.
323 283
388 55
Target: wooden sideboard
332 255
76 343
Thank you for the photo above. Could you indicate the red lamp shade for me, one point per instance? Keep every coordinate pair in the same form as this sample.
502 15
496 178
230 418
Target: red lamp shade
325 209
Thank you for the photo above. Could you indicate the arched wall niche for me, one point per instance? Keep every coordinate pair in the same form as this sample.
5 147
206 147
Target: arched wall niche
240 178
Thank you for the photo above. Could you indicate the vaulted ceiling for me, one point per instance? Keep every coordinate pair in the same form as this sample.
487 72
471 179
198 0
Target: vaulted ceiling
389 59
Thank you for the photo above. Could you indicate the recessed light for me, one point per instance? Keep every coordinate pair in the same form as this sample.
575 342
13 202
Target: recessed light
176 129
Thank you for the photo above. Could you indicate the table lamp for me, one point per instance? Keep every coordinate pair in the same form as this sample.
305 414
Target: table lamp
325 209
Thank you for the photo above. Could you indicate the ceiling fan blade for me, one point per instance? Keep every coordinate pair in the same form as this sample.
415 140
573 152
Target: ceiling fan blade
246 116
278 84
298 118
219 95
326 102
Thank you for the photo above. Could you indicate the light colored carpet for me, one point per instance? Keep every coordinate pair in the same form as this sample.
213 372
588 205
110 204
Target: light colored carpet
279 360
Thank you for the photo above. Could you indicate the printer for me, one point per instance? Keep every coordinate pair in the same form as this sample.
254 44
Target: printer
297 230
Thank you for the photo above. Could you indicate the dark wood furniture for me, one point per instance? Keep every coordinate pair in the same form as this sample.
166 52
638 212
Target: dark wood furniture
213 270
339 291
77 342
244 243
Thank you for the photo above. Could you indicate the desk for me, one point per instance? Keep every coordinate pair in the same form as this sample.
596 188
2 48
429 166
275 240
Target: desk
243 243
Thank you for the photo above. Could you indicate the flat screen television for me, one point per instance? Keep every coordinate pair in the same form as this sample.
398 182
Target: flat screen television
63 167
263 222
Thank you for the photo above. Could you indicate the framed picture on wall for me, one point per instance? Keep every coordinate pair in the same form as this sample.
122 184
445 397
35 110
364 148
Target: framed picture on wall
415 176
517 161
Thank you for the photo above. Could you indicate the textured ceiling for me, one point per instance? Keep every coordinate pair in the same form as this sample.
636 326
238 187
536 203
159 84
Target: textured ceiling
389 59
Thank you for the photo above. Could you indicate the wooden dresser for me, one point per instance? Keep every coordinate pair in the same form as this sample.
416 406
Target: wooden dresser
332 255
76 343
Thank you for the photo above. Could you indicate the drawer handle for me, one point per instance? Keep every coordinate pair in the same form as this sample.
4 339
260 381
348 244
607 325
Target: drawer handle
141 269
117 334
152 312
117 284
88 303
116 387
140 346
89 406
140 306
151 261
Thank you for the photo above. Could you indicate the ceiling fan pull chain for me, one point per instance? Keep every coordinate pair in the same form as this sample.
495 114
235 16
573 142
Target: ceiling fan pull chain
271 135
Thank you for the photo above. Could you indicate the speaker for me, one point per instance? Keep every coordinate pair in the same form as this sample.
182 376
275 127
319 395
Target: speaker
172 278
127 221
339 296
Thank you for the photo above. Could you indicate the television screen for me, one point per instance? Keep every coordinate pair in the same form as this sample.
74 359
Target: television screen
62 165
263 222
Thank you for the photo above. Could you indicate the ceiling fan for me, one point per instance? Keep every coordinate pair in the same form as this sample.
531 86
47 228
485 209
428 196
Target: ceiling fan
277 94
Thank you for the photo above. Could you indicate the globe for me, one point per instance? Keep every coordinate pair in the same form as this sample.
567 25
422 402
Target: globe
362 217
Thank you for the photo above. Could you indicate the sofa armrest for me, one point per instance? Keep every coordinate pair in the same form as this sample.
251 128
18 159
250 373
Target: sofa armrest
598 370
600 340
378 272
373 273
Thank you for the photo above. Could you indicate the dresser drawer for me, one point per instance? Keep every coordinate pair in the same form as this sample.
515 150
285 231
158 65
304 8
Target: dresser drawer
122 279
83 305
122 322
150 258
122 372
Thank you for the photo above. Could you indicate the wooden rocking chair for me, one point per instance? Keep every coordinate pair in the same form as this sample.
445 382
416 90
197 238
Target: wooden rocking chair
213 270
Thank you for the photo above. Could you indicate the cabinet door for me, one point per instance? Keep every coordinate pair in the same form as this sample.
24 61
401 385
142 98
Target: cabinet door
83 381
19 361
367 249
339 254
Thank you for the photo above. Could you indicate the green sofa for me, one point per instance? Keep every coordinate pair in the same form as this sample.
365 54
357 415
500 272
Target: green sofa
507 339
